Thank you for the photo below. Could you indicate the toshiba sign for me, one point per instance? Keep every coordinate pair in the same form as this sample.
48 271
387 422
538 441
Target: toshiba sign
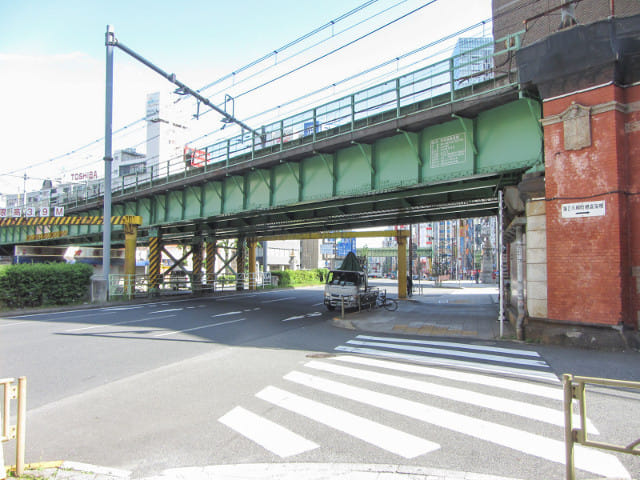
78 177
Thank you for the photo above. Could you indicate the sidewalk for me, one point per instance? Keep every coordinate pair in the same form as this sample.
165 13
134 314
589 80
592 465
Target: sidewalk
455 309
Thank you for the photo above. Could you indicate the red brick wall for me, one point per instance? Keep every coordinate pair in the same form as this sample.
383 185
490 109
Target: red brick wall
590 259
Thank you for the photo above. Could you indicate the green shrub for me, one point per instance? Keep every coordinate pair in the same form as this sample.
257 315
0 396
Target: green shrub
291 278
37 284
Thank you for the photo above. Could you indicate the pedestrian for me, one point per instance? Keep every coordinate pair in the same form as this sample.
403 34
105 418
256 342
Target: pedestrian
409 285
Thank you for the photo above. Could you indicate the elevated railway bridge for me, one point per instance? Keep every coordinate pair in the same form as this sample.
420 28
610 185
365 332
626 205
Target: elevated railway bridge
425 146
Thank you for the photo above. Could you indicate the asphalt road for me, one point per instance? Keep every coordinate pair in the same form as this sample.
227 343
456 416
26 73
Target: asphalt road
266 377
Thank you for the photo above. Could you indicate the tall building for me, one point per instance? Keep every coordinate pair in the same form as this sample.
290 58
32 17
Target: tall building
472 61
166 133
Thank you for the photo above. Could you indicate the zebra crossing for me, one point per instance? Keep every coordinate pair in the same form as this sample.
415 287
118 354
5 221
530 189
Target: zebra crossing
508 397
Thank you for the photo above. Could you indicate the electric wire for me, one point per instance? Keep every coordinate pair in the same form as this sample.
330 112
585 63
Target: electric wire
288 45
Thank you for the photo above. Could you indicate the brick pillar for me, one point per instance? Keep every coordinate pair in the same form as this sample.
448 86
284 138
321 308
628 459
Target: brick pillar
593 216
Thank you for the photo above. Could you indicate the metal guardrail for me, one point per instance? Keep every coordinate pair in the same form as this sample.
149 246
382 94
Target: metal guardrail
468 74
130 286
17 432
575 388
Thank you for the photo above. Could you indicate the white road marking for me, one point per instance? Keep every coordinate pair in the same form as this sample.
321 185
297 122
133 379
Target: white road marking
231 297
453 353
387 438
16 323
167 310
270 435
552 393
492 402
238 312
278 300
299 317
453 363
172 332
317 304
554 450
126 322
466 346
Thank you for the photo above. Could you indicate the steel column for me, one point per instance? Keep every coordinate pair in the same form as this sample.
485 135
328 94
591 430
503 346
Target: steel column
210 262
155 255
402 267
251 243
196 259
240 259
130 240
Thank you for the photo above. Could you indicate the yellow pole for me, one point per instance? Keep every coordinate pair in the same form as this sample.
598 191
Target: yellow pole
252 263
130 239
402 267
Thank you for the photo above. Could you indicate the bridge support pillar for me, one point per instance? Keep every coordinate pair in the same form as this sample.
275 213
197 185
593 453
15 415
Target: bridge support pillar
210 263
130 240
251 243
240 261
155 254
402 267
196 260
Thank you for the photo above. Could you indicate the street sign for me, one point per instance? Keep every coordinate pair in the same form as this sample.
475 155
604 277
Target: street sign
595 208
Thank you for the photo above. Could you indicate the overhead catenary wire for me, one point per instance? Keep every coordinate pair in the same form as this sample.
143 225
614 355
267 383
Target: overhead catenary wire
95 142
348 79
245 67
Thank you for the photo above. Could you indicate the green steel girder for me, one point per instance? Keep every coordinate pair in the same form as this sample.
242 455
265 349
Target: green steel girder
449 169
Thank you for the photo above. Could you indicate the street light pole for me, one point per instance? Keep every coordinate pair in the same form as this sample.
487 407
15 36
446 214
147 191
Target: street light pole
108 158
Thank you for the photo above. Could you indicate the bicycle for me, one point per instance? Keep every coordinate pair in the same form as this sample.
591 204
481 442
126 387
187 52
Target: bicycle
389 304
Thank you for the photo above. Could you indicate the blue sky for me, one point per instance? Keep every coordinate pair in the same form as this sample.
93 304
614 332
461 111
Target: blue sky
52 62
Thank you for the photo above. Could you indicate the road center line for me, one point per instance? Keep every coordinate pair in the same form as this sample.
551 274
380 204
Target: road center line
278 300
164 334
225 314
167 310
126 322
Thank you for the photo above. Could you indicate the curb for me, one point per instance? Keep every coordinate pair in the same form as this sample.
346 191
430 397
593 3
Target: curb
319 471
72 470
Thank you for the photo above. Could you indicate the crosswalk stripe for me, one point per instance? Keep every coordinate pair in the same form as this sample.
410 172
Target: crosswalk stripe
466 346
387 438
453 353
553 393
505 405
501 369
270 435
533 444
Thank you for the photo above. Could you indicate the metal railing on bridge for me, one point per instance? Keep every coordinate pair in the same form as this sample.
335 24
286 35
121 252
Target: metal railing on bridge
467 74
137 286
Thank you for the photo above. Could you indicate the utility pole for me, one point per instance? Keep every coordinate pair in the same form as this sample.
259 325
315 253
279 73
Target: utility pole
108 159
110 42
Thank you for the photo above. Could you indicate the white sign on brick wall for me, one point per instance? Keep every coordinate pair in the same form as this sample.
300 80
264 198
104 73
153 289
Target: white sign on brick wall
595 208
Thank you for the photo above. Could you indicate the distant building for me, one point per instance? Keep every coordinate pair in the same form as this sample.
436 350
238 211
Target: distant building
166 133
472 61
